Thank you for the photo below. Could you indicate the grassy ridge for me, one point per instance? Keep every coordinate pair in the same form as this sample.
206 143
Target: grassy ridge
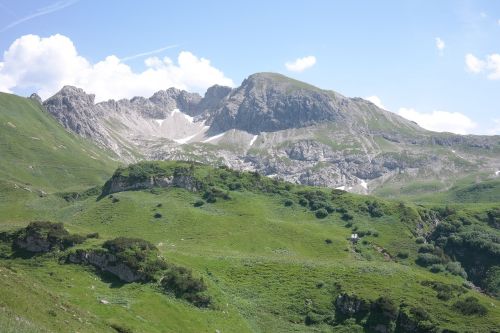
38 153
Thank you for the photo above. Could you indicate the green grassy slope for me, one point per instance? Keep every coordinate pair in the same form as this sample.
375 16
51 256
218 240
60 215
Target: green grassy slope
264 257
38 154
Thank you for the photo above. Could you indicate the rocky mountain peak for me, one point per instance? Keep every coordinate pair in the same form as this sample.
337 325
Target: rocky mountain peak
267 102
36 97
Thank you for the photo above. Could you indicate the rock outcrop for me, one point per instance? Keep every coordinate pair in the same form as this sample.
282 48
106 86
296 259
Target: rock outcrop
106 262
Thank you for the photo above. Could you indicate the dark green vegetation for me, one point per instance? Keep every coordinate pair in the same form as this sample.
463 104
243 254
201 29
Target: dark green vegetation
183 247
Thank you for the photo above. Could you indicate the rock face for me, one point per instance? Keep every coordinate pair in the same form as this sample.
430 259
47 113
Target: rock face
34 244
279 127
106 262
351 305
120 183
270 102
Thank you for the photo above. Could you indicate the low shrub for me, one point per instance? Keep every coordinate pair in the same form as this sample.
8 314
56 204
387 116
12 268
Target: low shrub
455 268
321 213
470 306
199 203
428 259
426 248
403 254
374 209
158 216
420 240
44 236
121 329
346 217
328 241
437 268
288 203
93 235
182 284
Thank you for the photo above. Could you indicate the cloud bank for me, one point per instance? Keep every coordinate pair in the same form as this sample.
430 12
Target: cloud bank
376 100
44 65
301 64
490 65
440 121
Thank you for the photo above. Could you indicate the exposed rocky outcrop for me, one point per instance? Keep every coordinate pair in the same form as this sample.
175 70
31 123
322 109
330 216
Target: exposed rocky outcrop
106 262
124 183
351 305
43 236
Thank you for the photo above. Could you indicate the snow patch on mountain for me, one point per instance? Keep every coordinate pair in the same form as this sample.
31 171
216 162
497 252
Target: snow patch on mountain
253 140
215 137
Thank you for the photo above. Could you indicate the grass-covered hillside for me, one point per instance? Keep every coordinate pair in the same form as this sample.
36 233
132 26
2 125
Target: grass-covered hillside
181 247
38 154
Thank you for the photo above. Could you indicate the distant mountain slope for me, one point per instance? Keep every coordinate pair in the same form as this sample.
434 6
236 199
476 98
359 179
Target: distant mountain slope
37 153
282 128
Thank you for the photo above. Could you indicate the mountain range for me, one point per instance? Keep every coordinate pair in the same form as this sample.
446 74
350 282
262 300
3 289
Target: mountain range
281 128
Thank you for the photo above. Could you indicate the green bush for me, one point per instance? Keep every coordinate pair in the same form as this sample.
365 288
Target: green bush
426 248
420 240
382 311
199 203
403 254
139 255
234 186
444 291
492 281
122 244
57 237
428 259
321 213
93 235
182 284
470 306
288 203
72 240
455 268
158 216
121 329
437 268
346 217
213 193
374 209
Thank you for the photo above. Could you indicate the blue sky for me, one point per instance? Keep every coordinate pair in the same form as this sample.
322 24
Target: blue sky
386 49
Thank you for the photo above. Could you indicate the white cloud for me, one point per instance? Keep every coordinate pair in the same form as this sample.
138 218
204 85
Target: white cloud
440 121
474 64
376 100
44 65
495 129
301 64
490 65
440 44
498 22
